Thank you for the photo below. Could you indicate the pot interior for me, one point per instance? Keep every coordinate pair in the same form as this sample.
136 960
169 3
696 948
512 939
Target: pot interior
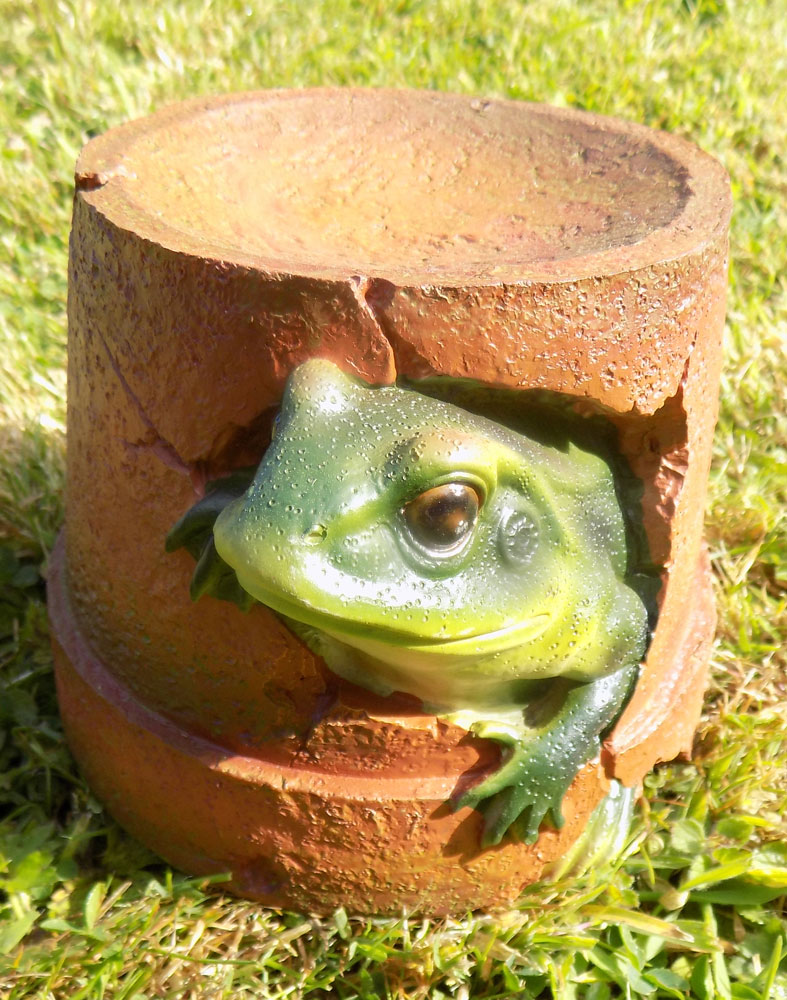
409 186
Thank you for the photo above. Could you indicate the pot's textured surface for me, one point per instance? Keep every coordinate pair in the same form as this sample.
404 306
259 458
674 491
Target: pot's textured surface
216 246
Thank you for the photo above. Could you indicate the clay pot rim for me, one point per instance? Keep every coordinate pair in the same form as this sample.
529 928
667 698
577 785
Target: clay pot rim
702 220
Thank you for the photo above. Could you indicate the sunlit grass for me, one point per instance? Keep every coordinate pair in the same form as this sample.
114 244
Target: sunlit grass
695 906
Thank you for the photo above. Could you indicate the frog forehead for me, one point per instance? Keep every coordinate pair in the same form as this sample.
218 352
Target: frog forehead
334 422
319 394
342 446
321 389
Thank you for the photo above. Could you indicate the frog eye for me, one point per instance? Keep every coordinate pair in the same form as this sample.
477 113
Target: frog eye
441 517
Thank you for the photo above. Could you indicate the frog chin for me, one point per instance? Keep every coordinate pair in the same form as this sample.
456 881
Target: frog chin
473 682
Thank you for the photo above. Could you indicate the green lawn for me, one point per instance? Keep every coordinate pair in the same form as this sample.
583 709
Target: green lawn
695 907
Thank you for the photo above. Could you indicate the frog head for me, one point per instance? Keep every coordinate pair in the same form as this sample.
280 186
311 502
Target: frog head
435 551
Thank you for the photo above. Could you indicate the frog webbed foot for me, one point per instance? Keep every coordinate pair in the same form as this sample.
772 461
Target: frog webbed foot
528 786
542 760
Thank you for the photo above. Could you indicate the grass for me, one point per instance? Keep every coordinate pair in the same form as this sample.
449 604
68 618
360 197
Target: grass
695 906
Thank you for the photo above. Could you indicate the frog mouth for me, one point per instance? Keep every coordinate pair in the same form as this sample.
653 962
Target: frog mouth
347 629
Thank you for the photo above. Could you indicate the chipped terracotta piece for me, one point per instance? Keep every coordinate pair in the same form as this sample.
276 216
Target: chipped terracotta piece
221 242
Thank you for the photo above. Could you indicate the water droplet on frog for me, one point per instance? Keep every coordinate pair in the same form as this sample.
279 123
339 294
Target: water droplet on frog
315 534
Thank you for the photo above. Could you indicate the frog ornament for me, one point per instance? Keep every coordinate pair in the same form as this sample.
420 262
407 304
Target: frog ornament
419 547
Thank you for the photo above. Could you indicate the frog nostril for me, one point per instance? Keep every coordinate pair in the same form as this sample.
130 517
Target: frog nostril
315 534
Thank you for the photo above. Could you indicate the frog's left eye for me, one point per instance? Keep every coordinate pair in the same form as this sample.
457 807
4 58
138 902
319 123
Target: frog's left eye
443 516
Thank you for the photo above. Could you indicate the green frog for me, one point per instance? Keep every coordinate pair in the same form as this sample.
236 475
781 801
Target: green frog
420 547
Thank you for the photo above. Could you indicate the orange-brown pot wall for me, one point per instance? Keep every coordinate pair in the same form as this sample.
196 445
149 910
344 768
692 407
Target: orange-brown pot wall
217 245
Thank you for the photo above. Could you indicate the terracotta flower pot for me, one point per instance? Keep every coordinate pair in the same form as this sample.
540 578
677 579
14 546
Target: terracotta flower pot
217 245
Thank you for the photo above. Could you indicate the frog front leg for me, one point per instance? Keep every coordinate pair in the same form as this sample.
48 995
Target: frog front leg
194 532
543 755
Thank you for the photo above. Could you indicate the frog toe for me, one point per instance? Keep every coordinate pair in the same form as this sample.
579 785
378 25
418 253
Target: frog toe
495 784
505 810
525 828
470 799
